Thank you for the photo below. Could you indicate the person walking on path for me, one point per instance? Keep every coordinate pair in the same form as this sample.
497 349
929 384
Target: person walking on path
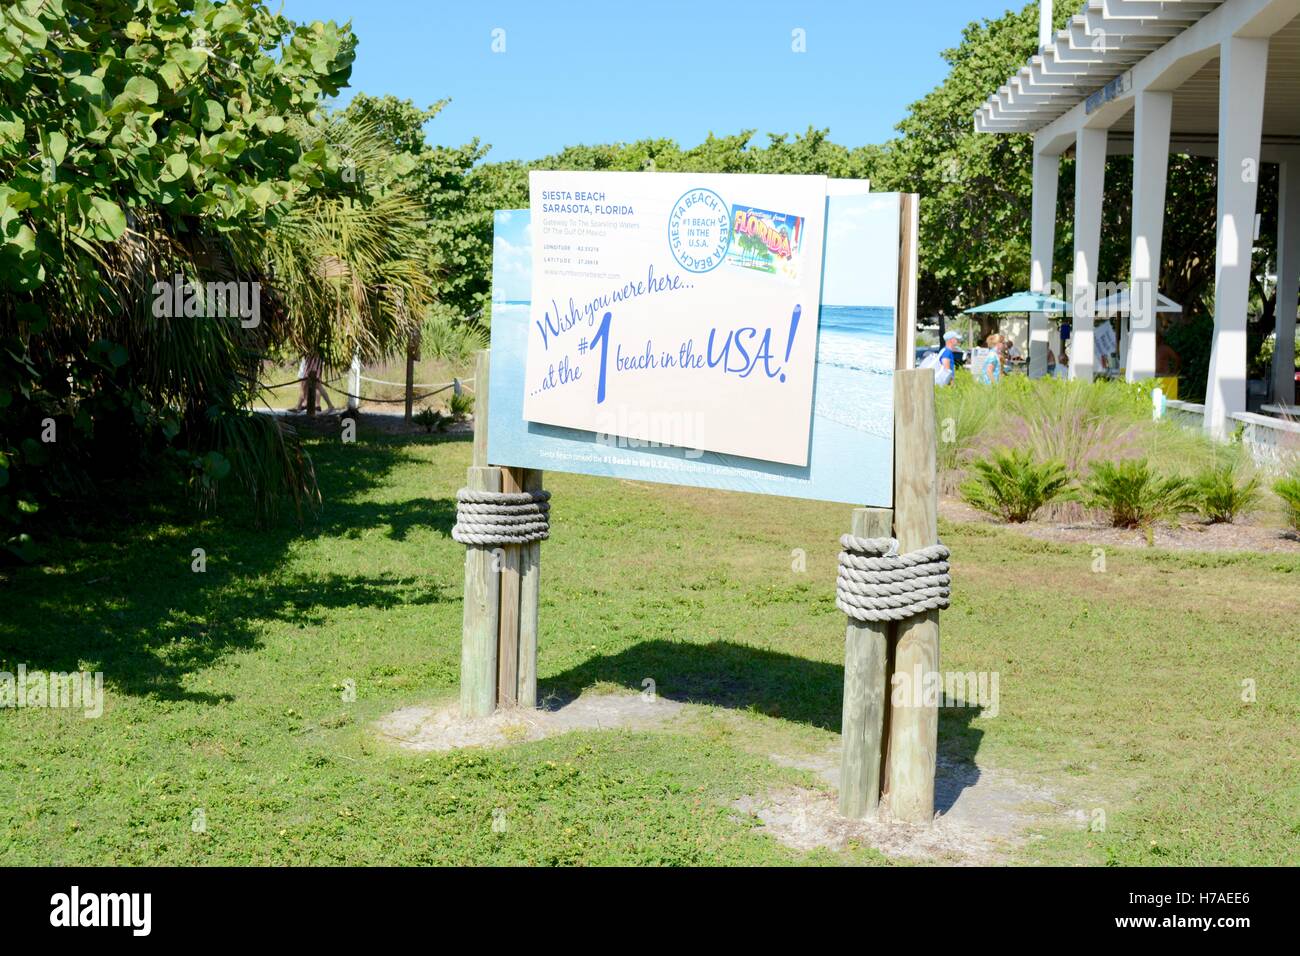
312 372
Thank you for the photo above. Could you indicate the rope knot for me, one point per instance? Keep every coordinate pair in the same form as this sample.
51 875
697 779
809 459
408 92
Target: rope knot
501 517
876 583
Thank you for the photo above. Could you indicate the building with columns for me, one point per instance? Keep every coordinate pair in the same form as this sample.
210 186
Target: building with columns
1204 77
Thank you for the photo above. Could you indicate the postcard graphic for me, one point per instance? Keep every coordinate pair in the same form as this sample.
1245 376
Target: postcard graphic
765 241
640 328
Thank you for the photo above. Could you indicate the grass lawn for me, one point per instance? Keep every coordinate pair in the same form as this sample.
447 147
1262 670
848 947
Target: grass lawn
1120 691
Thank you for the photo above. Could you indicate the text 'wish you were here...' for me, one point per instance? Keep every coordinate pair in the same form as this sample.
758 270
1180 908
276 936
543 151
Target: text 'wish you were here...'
740 351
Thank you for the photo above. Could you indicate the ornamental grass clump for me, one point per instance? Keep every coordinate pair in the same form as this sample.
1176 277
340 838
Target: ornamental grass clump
1134 496
1222 495
461 406
1288 489
1014 486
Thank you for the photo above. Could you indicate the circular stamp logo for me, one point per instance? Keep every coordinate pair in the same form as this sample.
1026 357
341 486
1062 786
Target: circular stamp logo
699 230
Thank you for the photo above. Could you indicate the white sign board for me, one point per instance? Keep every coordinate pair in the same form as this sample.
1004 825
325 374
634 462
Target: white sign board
1103 339
677 308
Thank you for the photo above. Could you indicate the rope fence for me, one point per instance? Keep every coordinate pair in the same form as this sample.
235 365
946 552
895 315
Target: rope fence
331 386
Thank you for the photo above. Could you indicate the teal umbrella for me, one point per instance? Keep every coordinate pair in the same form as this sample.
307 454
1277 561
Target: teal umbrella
1024 302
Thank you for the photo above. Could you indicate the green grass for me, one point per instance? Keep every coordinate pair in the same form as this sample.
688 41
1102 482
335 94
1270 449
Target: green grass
1120 690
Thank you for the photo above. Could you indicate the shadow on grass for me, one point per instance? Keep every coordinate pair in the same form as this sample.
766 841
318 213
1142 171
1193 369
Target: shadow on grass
740 677
722 674
736 676
120 595
350 520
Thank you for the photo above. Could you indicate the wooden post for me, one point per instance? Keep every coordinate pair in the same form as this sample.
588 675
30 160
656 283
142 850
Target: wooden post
866 692
313 380
410 378
479 634
530 573
914 723
481 368
512 480
905 316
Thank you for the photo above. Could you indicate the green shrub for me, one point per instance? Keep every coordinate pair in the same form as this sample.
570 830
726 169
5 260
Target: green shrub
1133 496
447 339
1221 496
1013 486
964 411
460 405
1075 423
430 420
1288 489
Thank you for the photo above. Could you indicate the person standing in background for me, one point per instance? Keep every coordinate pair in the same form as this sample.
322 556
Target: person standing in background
947 369
990 369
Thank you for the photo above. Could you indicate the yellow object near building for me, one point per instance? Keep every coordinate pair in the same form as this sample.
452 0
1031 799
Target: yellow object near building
1169 385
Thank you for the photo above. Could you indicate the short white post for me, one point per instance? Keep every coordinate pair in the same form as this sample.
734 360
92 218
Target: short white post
1158 406
1047 170
1150 174
1089 183
1243 63
1288 278
354 383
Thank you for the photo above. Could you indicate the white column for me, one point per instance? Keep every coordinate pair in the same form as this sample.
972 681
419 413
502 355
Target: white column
1150 173
1089 183
1288 278
1042 244
1242 66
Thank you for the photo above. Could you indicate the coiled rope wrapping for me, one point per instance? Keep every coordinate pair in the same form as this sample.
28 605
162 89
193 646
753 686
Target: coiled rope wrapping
501 517
876 583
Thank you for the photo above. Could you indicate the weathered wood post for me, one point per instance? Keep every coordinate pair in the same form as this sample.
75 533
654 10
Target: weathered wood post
530 574
479 634
520 566
412 348
508 556
914 717
502 588
866 692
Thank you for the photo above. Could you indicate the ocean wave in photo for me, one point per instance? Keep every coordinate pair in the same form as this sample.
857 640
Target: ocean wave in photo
855 356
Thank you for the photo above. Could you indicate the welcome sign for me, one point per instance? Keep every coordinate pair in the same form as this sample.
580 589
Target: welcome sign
677 308
849 430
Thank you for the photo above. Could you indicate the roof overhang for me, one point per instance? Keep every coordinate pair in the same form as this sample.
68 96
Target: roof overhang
1087 60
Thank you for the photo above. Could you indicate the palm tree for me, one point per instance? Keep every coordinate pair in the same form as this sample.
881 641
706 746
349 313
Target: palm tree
353 266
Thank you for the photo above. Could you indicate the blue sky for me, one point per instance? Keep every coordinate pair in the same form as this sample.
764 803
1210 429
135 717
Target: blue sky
595 72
